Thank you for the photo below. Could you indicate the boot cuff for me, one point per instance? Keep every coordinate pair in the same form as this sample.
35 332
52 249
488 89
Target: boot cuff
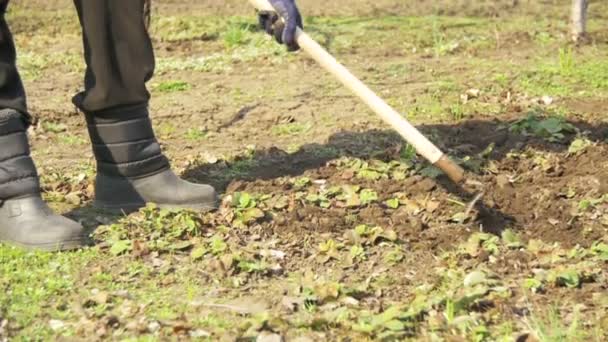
124 143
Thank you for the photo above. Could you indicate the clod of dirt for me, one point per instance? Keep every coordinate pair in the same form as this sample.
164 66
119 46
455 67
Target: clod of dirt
503 182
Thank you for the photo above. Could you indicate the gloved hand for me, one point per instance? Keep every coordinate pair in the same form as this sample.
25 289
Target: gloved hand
284 32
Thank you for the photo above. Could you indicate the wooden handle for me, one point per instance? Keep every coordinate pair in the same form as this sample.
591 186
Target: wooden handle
422 145
262 5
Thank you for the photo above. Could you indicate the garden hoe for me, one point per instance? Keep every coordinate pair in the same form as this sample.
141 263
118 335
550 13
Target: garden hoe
423 146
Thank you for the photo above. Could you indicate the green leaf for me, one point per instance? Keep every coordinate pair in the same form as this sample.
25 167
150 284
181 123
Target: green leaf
198 253
180 245
329 245
362 230
121 246
569 278
399 175
392 203
394 325
218 245
533 284
301 183
281 202
459 218
431 172
491 245
252 214
552 125
369 174
579 145
245 200
368 196
601 250
511 239
357 252
251 266
364 327
584 205
393 257
392 313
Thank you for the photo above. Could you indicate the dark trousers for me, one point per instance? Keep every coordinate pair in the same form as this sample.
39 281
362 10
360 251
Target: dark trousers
117 50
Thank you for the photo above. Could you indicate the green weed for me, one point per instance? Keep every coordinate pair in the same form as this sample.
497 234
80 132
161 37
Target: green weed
549 326
552 128
196 134
172 86
294 128
566 61
236 36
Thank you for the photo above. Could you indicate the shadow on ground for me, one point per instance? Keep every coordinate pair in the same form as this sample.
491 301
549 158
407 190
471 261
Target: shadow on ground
463 139
467 138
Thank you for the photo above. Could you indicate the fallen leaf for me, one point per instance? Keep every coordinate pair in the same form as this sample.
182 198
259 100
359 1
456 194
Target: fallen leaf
475 278
243 306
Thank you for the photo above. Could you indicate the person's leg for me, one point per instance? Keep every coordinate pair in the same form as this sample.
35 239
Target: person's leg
12 94
25 220
131 169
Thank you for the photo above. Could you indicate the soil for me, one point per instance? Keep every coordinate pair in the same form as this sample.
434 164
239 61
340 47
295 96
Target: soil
529 200
530 203
532 185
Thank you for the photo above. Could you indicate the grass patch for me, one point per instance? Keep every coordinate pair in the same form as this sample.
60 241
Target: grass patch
37 285
567 75
293 128
172 86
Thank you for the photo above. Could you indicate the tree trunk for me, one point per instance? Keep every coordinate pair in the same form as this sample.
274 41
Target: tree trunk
147 13
579 19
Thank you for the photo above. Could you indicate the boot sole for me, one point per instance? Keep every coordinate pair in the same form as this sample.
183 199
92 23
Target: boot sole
131 208
50 247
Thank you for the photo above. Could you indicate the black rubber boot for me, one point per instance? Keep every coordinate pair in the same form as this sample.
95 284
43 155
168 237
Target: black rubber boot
25 220
131 169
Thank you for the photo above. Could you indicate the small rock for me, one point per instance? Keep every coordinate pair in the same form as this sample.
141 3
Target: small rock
209 158
122 294
350 301
269 337
56 324
279 255
73 198
502 181
157 262
426 185
198 333
291 304
302 339
431 206
546 100
132 326
100 298
473 93
153 326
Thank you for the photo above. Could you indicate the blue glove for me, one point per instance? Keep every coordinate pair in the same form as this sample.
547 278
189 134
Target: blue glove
284 32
